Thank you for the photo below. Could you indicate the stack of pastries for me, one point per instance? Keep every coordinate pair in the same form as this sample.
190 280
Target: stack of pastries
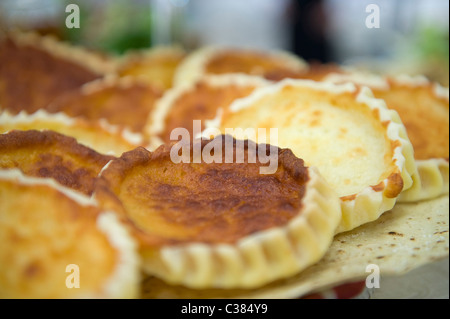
222 172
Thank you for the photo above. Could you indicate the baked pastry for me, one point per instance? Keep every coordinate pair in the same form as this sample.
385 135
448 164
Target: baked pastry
101 137
35 70
200 101
404 239
222 60
220 224
423 107
155 66
57 244
52 155
358 145
120 101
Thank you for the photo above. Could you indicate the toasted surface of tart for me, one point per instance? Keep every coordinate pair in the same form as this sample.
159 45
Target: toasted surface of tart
200 101
100 136
200 206
50 154
31 77
358 145
49 236
156 66
125 103
205 202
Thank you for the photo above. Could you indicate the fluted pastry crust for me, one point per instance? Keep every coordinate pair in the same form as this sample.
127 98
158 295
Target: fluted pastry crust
221 225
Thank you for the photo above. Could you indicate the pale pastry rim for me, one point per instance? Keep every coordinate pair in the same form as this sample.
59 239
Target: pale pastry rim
368 204
433 169
131 138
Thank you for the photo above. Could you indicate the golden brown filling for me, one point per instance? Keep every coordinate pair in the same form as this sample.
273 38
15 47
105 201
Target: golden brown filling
124 106
52 155
31 78
42 232
424 116
202 104
248 62
198 202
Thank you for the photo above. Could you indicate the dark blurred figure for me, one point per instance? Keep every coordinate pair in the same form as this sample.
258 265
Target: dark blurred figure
309 30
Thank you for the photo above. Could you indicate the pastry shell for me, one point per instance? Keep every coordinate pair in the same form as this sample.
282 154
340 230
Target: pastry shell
423 107
307 118
250 260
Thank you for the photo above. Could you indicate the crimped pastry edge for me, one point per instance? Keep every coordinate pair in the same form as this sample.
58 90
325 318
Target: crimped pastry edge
156 119
428 171
368 203
125 279
193 66
430 181
258 258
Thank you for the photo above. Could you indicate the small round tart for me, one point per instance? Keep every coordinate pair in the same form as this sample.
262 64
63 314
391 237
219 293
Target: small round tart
222 60
34 70
197 101
359 146
101 137
120 101
57 244
423 107
155 66
204 223
52 155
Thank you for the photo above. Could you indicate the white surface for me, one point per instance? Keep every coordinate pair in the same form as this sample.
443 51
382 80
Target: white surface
427 282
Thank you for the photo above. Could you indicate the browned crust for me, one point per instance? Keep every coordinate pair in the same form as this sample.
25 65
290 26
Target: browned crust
109 186
30 78
51 154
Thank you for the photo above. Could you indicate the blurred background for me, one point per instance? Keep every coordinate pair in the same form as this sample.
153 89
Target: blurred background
412 38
